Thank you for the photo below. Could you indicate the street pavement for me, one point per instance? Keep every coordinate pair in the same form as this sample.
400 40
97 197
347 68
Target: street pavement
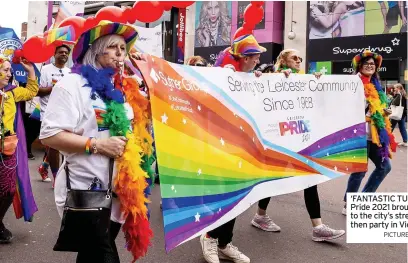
33 242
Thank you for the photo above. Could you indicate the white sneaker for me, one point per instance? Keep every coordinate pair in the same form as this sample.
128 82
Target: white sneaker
209 247
232 253
265 223
403 144
344 211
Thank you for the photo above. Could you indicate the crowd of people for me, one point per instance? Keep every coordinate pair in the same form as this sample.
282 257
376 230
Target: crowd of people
77 104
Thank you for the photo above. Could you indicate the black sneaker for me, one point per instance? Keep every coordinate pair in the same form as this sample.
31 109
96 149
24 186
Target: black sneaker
5 236
31 156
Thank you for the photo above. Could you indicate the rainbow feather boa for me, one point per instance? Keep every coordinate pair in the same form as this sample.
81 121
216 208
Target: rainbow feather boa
134 174
380 124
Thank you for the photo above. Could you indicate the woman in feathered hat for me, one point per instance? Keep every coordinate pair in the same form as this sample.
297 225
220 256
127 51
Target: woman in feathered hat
380 140
95 114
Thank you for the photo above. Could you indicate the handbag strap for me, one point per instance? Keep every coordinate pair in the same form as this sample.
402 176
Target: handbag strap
111 163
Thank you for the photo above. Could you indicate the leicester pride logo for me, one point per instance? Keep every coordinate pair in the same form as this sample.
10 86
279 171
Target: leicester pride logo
294 127
8 46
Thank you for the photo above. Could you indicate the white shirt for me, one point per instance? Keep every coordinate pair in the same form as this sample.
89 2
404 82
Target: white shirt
71 109
50 75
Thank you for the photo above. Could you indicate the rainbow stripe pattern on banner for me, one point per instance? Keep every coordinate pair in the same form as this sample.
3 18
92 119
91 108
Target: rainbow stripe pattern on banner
211 153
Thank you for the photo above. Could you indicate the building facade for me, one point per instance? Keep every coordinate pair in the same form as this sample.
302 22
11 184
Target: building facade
337 31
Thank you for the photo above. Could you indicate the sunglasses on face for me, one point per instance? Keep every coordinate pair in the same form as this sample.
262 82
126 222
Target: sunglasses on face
200 64
369 64
296 58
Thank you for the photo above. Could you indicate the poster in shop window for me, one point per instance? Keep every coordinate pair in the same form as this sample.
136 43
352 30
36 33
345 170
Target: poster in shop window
225 142
213 23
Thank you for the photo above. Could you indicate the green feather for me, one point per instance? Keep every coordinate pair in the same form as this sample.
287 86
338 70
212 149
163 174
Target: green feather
115 118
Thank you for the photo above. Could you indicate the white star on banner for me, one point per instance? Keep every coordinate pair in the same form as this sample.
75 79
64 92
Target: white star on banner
355 131
219 210
318 146
347 168
184 121
327 154
253 139
197 217
153 75
164 118
241 128
335 168
240 164
222 142
395 42
172 187
199 172
199 107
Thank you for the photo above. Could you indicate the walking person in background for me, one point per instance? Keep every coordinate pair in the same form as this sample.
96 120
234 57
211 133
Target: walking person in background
50 75
9 96
289 61
400 97
380 141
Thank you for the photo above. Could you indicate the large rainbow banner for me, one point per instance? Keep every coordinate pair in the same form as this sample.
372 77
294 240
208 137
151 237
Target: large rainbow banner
225 140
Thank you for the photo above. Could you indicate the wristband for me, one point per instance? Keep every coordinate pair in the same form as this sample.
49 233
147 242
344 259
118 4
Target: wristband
94 149
88 149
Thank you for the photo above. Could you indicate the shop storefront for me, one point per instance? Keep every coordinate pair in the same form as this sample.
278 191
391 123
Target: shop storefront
337 32
215 23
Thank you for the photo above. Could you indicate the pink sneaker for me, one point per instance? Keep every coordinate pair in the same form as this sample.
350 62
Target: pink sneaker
265 223
325 233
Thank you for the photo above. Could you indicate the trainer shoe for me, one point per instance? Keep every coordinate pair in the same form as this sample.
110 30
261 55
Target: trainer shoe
31 156
344 211
325 233
232 253
265 223
44 174
5 235
210 249
403 144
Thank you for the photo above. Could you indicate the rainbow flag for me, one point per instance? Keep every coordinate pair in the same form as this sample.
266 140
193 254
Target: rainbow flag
36 112
65 34
219 151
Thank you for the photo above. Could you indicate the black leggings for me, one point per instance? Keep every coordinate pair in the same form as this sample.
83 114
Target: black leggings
223 233
312 202
102 257
32 129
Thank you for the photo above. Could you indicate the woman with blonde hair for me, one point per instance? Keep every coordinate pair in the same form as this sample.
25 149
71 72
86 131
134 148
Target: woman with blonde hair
214 28
400 99
97 117
11 139
289 61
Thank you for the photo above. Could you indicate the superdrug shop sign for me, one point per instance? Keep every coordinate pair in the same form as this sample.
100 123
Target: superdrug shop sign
389 69
345 48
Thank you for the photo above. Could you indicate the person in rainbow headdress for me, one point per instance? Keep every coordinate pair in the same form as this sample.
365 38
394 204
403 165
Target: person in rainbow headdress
94 114
242 56
380 140
14 178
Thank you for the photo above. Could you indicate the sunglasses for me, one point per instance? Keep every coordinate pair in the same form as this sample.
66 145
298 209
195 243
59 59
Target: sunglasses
297 58
368 64
200 64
